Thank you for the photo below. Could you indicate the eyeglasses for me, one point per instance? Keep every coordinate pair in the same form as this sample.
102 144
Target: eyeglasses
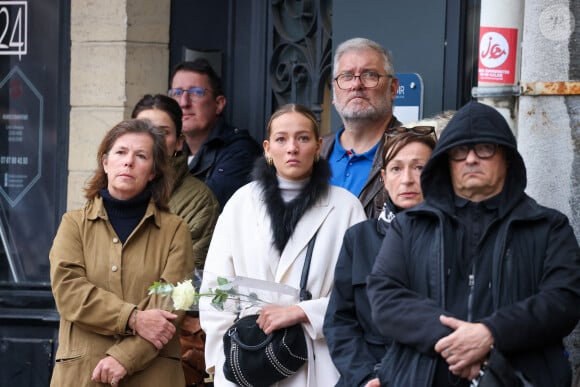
369 79
483 151
417 130
193 93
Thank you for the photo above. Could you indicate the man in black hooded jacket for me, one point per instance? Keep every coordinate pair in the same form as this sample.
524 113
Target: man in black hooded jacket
478 271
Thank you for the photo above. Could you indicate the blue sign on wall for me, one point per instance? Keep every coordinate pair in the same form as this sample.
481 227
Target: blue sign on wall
409 100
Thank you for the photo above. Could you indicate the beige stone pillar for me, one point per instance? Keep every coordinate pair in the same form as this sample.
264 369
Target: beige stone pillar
119 51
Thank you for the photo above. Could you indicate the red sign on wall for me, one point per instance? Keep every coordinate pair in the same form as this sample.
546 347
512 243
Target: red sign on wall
497 54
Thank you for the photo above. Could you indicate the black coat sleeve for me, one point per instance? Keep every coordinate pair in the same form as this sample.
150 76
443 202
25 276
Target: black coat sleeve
544 283
399 311
344 333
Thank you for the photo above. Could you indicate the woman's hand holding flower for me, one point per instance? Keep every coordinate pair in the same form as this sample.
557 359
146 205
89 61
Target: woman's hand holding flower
154 325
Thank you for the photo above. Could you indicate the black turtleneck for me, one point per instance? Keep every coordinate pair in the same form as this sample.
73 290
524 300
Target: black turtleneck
125 215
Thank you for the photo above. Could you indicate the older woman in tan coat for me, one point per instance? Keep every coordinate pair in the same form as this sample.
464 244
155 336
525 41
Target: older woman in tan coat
104 258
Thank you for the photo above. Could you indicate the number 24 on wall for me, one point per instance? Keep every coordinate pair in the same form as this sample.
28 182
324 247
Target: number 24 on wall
13 27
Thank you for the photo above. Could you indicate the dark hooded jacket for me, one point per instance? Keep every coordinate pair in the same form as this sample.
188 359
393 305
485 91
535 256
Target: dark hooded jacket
529 300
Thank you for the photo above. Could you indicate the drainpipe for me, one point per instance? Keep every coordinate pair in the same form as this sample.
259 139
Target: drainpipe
500 34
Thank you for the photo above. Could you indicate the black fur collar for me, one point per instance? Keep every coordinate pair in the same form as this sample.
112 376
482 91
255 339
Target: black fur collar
285 216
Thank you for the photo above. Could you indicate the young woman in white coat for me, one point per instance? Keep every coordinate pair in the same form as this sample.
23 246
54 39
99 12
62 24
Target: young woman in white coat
263 233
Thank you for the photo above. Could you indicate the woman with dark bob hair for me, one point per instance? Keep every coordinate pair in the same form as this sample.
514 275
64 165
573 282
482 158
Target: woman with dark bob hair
190 198
356 346
196 204
106 255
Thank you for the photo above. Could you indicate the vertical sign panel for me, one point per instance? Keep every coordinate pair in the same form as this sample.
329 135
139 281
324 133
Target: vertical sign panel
34 45
13 27
408 106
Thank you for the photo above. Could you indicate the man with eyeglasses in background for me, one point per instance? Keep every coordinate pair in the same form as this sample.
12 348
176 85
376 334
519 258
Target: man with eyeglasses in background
220 155
479 282
364 89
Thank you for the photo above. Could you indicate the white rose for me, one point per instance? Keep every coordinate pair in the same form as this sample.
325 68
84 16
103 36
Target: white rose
183 295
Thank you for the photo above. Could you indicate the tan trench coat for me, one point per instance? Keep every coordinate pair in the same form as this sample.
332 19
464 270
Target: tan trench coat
97 282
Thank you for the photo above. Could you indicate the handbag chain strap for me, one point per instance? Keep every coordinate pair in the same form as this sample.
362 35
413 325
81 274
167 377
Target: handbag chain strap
304 293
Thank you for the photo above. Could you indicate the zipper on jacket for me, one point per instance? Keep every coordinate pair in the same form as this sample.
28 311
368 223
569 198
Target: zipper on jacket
470 296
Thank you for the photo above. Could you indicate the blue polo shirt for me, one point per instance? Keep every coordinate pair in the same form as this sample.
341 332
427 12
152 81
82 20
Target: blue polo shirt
350 170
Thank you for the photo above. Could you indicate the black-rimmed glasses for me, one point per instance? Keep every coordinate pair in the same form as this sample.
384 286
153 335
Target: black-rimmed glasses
417 130
369 79
482 150
194 92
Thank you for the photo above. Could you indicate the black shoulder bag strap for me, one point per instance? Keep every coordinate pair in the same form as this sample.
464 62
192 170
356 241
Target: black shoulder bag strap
305 295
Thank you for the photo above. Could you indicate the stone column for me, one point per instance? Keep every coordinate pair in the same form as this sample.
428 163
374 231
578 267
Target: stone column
549 114
548 135
119 51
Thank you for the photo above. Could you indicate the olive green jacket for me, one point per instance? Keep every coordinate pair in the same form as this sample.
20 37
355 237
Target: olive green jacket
197 205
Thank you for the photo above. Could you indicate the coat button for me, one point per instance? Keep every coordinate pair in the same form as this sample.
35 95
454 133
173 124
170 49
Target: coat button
115 240
114 268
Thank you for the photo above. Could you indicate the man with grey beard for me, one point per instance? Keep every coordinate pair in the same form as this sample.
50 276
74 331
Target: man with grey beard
363 93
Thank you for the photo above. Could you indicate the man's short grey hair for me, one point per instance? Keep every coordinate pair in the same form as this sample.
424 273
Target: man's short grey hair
356 44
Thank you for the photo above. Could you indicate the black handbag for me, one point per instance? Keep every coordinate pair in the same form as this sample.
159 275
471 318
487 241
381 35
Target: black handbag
254 359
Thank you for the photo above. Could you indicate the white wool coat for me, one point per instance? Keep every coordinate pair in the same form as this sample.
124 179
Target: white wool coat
242 244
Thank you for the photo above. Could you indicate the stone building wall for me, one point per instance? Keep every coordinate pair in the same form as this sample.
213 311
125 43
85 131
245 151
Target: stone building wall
119 51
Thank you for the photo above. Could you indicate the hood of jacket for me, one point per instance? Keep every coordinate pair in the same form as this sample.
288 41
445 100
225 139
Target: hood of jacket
473 123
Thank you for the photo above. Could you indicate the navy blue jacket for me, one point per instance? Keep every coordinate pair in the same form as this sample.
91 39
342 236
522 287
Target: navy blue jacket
355 343
535 269
225 160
